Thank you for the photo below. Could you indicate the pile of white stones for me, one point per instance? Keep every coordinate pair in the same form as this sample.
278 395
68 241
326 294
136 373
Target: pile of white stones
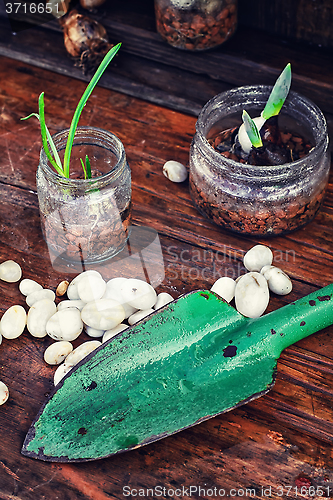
100 307
251 291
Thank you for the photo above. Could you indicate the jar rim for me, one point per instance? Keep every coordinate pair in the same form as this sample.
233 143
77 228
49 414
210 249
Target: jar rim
272 170
84 131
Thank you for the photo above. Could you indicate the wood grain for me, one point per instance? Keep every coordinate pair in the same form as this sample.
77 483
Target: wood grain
271 442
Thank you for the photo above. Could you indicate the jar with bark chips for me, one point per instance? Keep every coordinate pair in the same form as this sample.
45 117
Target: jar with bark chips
262 198
86 220
196 24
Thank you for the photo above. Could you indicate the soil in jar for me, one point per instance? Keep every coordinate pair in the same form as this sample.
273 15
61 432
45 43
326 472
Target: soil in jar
196 28
102 237
280 146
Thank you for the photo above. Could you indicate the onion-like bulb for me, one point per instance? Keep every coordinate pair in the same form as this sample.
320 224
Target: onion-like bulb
85 39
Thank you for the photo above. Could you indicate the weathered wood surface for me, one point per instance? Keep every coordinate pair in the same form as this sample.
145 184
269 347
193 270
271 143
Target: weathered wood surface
270 443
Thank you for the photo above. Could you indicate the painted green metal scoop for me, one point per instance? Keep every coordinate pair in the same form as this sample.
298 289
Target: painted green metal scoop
191 360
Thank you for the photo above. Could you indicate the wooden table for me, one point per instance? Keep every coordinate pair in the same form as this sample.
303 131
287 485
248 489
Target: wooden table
267 448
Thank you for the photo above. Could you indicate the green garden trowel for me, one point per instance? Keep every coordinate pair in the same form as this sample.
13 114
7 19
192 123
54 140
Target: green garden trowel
193 359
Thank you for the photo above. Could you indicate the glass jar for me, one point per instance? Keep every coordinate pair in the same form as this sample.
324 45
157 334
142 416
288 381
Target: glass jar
196 24
249 199
86 220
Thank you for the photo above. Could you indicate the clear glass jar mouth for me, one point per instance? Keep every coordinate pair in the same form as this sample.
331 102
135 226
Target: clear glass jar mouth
319 130
89 133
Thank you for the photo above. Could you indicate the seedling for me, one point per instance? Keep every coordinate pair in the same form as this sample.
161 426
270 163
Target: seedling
63 168
249 131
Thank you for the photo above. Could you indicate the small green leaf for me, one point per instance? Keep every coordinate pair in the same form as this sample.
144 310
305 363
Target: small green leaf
88 167
251 130
279 94
83 168
46 136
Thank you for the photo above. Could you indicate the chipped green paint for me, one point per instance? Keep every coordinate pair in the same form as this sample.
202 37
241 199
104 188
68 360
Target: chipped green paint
193 359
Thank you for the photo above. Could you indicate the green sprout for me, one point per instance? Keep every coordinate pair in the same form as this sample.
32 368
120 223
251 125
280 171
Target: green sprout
273 106
252 130
63 169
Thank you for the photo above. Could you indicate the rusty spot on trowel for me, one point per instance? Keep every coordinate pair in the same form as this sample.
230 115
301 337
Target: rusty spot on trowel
302 323
230 351
82 431
273 332
321 298
312 302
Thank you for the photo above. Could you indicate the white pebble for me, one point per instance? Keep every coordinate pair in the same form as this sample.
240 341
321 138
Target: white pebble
225 288
28 286
10 271
13 322
60 372
138 293
278 281
93 332
114 331
163 299
175 171
39 295
38 316
4 393
81 352
111 293
57 352
65 324
139 315
103 314
72 292
258 257
64 304
90 288
252 294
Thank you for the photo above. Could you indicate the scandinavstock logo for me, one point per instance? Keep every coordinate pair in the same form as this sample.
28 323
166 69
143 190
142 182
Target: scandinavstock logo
30 13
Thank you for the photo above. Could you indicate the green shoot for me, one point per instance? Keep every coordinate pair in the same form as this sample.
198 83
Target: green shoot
46 136
93 82
251 130
86 168
278 94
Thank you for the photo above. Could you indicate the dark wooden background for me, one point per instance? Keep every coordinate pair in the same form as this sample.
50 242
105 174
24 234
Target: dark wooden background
150 97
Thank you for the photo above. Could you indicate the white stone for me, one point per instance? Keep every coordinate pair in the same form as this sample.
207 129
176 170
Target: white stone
252 295
92 332
60 372
116 283
81 352
139 294
103 314
38 316
57 352
278 281
175 171
65 324
28 286
4 393
10 271
114 331
112 293
163 299
13 322
137 316
258 257
225 288
64 304
39 295
90 288
72 292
